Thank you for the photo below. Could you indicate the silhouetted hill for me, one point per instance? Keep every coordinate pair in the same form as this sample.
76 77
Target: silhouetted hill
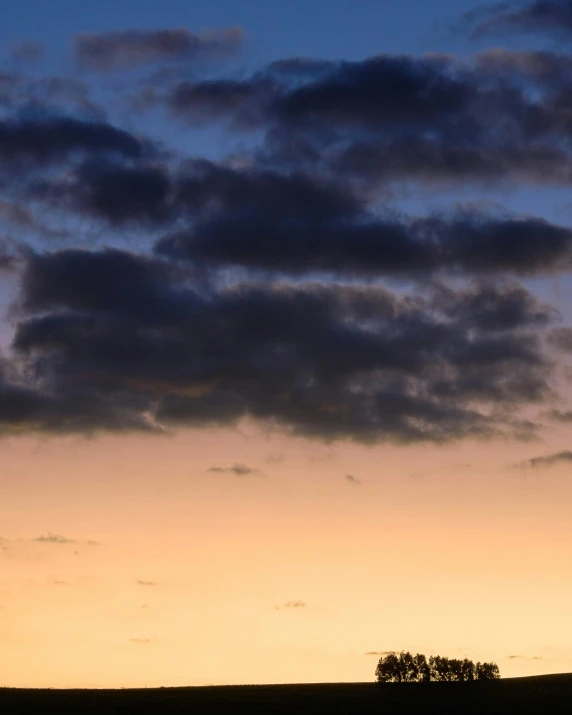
538 695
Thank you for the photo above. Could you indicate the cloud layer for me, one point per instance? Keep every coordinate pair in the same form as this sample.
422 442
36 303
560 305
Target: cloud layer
159 289
118 341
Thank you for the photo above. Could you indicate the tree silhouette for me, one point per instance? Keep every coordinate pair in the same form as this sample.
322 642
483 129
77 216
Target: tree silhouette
388 669
469 670
439 668
487 671
423 669
407 668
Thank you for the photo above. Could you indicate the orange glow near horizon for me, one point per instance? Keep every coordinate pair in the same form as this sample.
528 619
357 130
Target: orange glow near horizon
290 574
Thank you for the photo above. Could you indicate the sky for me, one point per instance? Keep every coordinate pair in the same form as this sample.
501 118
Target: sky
285 340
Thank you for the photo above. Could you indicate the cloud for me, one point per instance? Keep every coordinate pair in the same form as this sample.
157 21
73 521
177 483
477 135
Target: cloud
295 605
524 657
239 470
120 341
141 641
402 83
559 415
25 409
146 583
46 282
561 338
354 481
535 16
129 49
381 653
50 538
242 103
392 119
549 460
279 286
112 192
41 141
149 192
292 224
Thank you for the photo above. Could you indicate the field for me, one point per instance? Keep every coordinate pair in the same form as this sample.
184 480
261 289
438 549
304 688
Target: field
539 695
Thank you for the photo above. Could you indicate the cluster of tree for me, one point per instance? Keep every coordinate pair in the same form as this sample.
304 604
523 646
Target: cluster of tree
407 668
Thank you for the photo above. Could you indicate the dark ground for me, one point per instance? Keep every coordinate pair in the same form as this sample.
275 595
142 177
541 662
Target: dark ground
539 694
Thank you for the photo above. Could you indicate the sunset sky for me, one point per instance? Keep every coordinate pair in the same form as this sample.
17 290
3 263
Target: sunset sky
285 369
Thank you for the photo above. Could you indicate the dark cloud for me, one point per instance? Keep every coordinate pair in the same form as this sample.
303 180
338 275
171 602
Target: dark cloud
524 657
109 281
126 341
549 460
495 308
54 139
146 583
382 89
113 192
363 244
534 16
436 161
128 49
149 193
396 118
239 470
206 408
294 223
55 539
380 653
243 104
354 481
211 191
266 295
41 407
